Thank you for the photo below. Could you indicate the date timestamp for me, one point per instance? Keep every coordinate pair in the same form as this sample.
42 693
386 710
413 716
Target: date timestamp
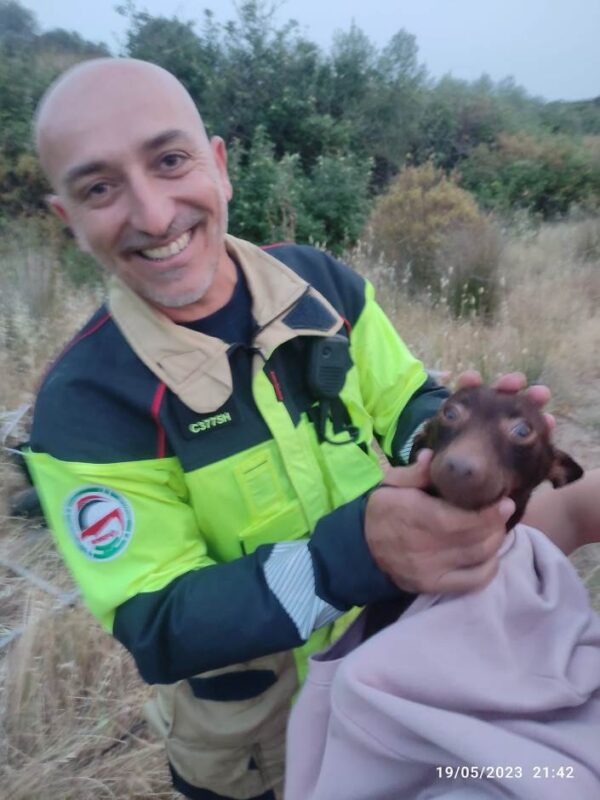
472 772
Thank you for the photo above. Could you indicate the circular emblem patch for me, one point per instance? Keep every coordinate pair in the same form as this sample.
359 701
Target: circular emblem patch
100 521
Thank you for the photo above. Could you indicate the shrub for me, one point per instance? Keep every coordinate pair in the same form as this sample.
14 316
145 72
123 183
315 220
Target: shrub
274 200
412 219
265 200
546 176
335 201
23 187
468 265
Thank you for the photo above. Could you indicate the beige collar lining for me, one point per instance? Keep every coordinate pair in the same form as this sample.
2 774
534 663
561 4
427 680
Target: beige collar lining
193 365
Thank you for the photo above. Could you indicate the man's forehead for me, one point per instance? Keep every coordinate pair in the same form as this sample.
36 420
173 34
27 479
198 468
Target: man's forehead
95 109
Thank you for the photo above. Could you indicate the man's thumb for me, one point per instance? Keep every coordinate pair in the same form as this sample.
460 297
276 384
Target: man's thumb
414 476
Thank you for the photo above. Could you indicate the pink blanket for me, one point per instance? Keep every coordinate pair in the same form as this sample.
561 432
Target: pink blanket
493 694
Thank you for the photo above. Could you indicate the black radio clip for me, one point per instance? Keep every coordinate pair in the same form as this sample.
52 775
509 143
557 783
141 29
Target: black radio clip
328 364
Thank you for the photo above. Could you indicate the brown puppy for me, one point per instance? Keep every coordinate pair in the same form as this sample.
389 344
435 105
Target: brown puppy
489 445
486 445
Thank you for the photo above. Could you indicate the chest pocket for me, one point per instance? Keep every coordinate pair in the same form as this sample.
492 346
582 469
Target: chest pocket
247 500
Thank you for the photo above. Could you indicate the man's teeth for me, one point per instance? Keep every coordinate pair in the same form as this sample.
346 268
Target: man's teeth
157 253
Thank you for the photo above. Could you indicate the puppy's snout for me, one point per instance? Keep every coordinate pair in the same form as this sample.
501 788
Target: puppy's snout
464 479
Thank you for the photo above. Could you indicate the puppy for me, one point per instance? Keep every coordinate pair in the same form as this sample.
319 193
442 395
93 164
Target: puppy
486 445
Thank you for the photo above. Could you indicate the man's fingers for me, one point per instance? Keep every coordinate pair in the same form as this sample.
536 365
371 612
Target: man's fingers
468 579
538 394
550 421
475 554
414 476
511 383
469 377
506 508
467 527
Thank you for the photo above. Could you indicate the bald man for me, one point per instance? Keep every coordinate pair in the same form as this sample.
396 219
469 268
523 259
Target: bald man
203 448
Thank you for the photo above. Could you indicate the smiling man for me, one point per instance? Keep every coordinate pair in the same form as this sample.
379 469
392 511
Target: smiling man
203 449
147 198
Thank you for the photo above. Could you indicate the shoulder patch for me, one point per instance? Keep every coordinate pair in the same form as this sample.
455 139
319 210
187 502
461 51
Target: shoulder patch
100 521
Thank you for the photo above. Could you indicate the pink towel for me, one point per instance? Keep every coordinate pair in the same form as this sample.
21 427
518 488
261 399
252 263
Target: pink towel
492 694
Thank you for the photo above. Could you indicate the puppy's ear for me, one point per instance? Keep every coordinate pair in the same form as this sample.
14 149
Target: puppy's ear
563 469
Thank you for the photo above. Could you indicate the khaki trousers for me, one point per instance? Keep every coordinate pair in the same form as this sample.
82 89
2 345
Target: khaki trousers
234 748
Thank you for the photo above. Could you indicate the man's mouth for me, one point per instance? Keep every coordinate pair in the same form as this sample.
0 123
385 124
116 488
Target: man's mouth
168 250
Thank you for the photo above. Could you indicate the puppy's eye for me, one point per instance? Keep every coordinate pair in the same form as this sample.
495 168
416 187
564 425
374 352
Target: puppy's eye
522 430
450 413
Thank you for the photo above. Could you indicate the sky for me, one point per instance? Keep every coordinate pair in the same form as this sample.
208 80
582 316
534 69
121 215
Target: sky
550 47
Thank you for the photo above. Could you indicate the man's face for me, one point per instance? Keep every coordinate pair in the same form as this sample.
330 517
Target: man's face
143 189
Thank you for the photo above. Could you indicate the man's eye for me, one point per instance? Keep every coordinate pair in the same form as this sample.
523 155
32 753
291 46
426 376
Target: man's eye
97 190
172 160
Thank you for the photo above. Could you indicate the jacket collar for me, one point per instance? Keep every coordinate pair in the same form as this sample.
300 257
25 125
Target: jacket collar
195 366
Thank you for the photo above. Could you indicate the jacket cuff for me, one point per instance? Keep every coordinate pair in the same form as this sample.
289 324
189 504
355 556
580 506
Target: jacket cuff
345 573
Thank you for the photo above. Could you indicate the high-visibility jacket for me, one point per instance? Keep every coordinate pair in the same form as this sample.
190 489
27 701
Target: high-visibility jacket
189 492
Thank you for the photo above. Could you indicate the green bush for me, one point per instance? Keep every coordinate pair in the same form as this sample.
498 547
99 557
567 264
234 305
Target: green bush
274 200
335 202
265 200
431 231
545 176
23 187
409 221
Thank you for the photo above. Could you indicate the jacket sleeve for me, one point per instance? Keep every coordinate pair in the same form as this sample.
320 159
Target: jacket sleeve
399 395
131 541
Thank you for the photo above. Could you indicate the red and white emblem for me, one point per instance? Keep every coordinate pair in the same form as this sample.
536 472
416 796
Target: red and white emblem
100 521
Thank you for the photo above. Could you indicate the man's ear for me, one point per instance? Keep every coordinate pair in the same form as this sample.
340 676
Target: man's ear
563 470
219 149
55 205
57 208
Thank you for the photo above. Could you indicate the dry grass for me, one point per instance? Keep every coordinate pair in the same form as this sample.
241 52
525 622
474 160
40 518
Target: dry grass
547 323
70 700
39 311
71 718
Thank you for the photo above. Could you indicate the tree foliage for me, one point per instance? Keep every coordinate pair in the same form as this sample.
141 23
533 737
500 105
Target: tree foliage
315 136
275 200
545 175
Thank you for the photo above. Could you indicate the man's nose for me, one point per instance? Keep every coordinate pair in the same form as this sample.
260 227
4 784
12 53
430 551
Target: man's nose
151 208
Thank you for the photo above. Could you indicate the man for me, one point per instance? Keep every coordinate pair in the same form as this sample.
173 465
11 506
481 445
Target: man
193 437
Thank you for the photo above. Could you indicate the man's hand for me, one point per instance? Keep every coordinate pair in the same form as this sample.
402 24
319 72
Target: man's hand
426 545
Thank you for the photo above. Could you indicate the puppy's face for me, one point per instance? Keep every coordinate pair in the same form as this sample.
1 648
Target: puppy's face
488 445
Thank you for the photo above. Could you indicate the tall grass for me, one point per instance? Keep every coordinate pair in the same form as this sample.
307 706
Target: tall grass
71 717
40 308
546 323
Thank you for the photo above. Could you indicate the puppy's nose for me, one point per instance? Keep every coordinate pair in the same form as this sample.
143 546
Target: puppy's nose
461 467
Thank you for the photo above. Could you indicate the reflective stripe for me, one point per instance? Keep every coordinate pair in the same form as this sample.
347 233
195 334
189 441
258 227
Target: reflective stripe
290 576
407 446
